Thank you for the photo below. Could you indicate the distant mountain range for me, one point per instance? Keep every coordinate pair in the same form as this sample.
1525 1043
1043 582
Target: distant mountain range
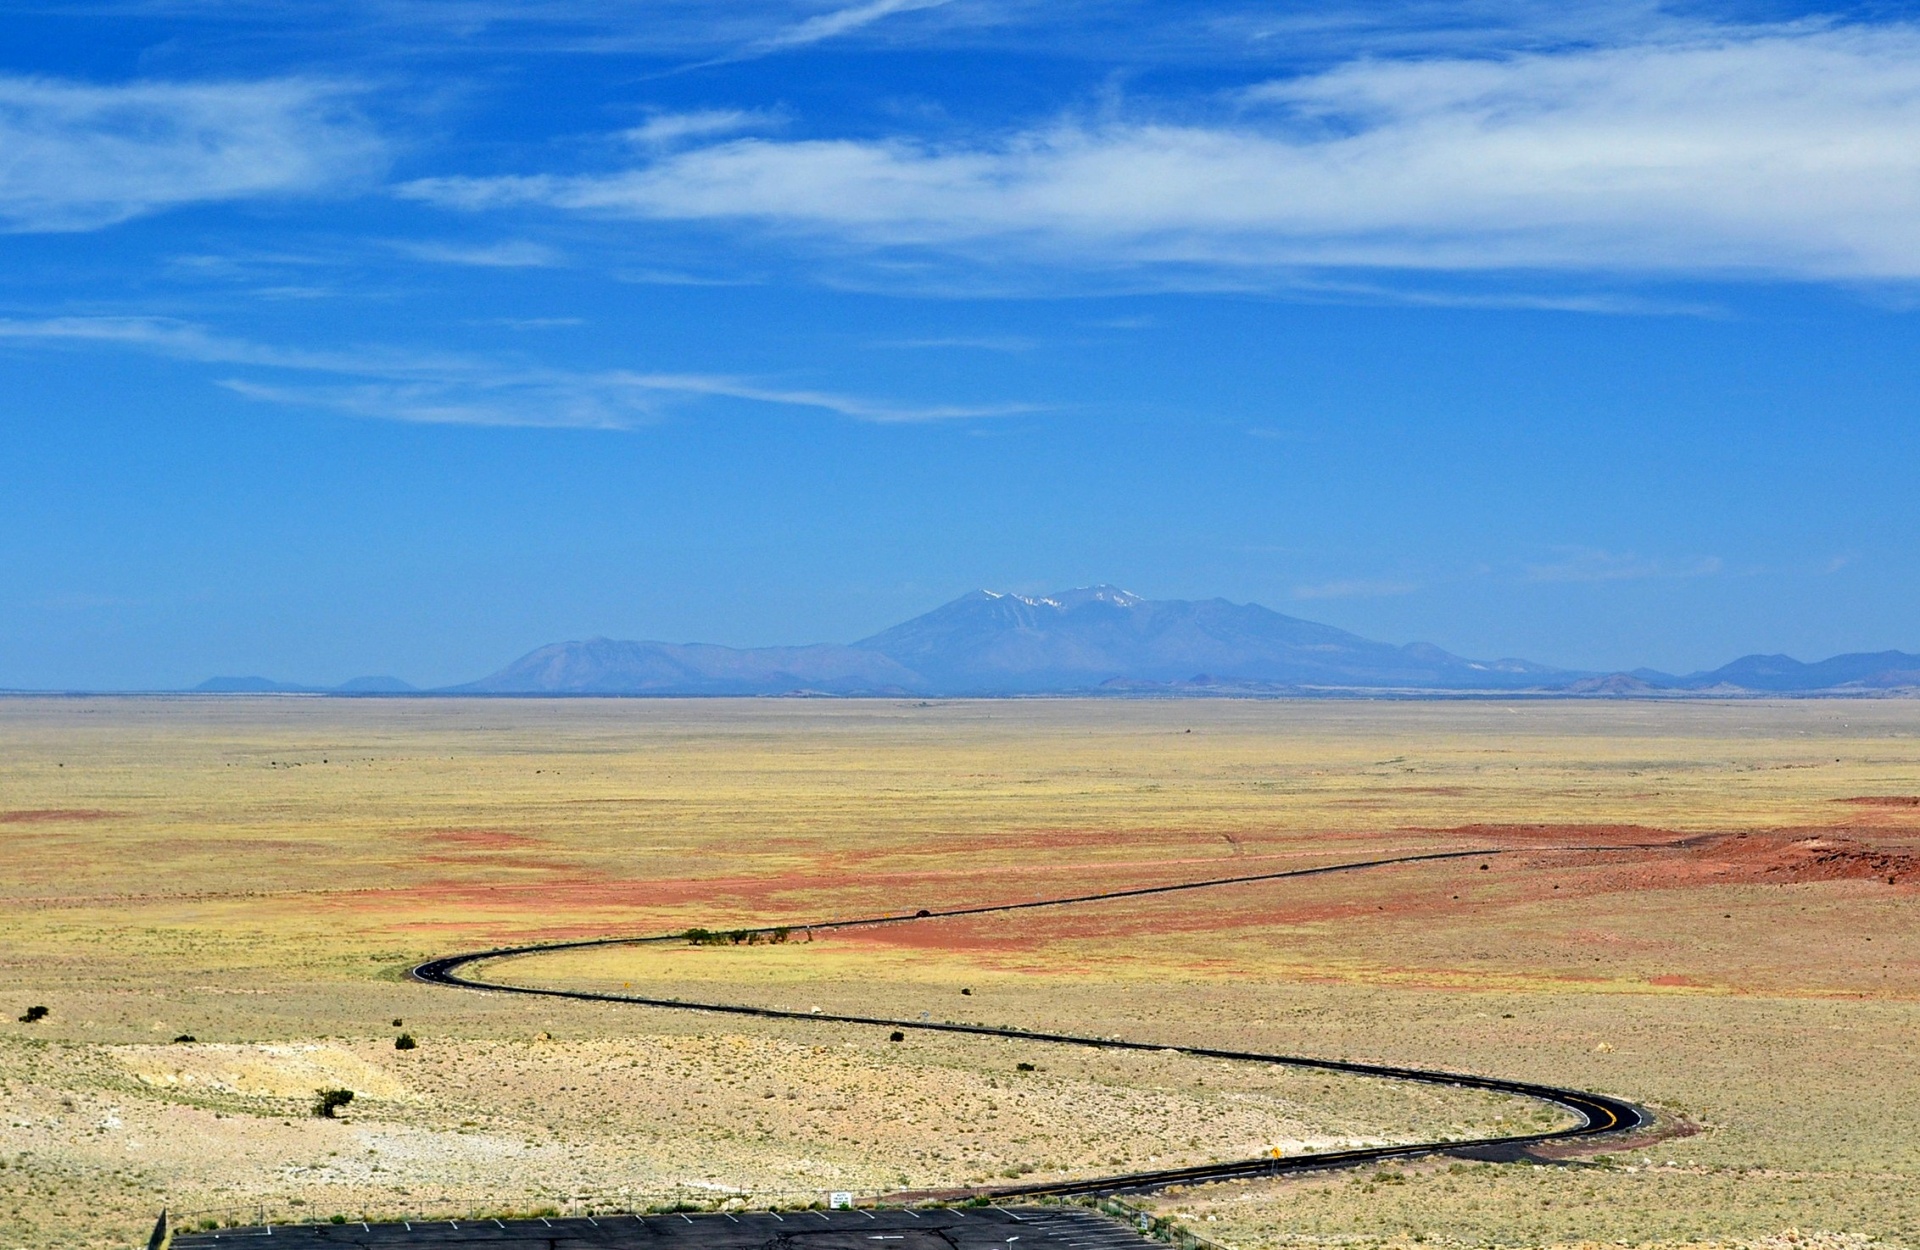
1101 640
266 685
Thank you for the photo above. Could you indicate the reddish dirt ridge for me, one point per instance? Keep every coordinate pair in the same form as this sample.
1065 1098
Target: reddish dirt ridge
1785 858
1842 859
34 816
1780 857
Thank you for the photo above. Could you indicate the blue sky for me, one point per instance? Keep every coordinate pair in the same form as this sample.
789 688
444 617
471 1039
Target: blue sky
375 336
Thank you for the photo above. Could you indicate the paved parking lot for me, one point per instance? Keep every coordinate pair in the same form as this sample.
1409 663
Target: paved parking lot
974 1228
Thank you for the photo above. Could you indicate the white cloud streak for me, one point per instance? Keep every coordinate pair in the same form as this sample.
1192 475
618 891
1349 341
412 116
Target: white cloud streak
1782 152
816 29
1607 566
667 129
1008 343
451 389
506 254
80 157
1357 588
854 406
839 22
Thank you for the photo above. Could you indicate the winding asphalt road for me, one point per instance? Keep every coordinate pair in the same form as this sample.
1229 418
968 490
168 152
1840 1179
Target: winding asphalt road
1598 1114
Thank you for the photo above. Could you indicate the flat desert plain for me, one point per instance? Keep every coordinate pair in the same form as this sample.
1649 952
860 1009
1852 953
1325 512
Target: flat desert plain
217 901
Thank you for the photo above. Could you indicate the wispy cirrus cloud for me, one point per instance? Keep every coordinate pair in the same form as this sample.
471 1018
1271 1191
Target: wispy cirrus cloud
455 389
1009 343
470 397
1594 565
815 28
1781 151
857 407
609 400
79 156
505 254
837 22
1357 588
666 129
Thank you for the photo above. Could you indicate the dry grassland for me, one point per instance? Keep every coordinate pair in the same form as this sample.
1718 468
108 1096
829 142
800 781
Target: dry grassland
258 874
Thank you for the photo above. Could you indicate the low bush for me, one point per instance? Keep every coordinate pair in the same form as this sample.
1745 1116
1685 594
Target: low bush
327 1102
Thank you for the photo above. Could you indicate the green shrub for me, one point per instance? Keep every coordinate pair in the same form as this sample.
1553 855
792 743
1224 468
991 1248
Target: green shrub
326 1102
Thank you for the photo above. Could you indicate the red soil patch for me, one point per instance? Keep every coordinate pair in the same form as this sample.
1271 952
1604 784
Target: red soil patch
1676 859
1816 859
1625 836
1056 838
1785 858
1649 859
1666 1126
581 906
560 900
1884 800
43 815
481 839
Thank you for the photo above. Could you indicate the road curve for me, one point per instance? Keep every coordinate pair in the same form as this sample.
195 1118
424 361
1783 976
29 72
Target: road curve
1599 1114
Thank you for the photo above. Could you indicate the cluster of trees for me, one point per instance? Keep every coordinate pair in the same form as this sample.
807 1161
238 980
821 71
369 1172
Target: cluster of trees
737 937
